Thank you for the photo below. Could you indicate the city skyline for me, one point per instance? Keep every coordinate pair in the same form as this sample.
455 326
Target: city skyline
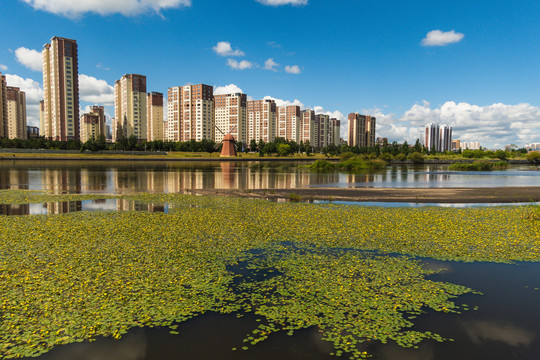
482 84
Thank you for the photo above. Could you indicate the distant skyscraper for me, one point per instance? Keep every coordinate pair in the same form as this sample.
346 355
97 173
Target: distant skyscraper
61 90
446 138
93 123
438 138
432 137
190 113
288 122
361 130
3 106
16 113
130 107
154 113
231 113
261 120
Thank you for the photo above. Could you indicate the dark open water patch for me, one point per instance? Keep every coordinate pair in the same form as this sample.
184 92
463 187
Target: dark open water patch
506 325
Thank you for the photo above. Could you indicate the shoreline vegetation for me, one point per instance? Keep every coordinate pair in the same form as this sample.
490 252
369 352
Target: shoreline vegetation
73 277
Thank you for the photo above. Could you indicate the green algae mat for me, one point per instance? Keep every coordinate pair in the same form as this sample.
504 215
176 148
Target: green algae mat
351 272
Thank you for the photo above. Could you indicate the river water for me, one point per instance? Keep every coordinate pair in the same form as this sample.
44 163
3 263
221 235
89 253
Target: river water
171 177
505 326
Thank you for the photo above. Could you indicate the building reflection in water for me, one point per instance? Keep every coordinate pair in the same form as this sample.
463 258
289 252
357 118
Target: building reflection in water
15 209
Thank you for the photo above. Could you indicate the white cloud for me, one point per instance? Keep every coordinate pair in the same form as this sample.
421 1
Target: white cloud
271 65
494 126
103 67
283 2
441 38
224 48
240 65
273 44
34 94
32 59
95 91
75 9
227 89
3 67
293 69
281 102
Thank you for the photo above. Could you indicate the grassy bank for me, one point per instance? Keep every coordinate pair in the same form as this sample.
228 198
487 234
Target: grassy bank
72 277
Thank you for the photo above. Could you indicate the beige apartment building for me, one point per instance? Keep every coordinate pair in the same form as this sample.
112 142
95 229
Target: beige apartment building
93 123
361 130
288 123
190 113
231 116
154 113
3 106
307 127
60 119
16 114
130 107
261 120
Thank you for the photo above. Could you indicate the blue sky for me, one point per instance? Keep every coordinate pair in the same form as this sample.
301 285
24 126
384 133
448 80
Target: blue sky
472 64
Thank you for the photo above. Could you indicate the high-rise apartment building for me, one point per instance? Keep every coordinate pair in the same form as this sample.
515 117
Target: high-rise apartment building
361 130
154 113
231 113
3 106
335 132
261 120
16 113
130 107
432 138
446 138
288 122
438 138
190 113
307 127
93 123
322 129
61 90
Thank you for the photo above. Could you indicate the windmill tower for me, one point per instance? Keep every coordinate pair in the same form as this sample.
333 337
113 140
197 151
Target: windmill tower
229 144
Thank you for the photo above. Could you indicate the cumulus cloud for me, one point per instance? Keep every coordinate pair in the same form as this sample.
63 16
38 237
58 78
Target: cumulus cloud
34 94
227 89
3 67
442 38
32 59
73 9
283 2
271 65
224 48
240 65
293 69
281 102
95 91
494 126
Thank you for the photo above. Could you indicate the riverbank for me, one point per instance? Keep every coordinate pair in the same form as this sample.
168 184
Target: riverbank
405 195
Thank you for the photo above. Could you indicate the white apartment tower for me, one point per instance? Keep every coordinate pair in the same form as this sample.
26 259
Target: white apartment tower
261 120
288 122
61 90
231 113
130 107
190 113
438 138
